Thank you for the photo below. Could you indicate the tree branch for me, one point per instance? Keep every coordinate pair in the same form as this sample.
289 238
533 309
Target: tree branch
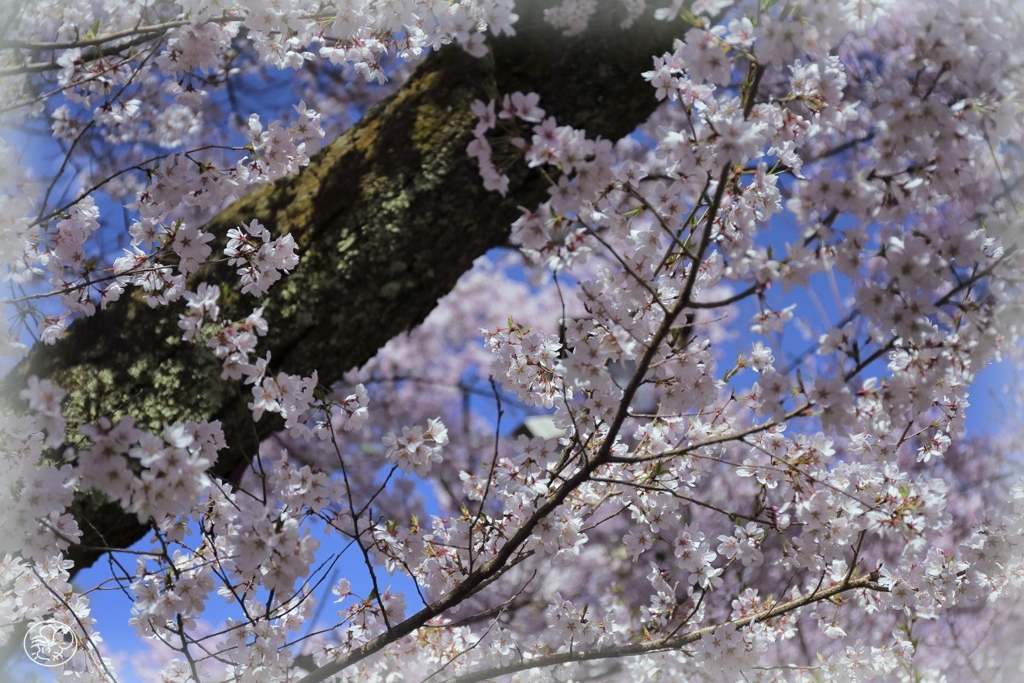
387 217
867 581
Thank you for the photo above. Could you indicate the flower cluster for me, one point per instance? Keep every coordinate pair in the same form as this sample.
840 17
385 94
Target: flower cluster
528 363
281 151
35 494
417 448
158 477
261 260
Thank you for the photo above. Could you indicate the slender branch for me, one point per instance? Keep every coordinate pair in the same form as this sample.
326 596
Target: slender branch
739 296
131 38
864 582
139 31
356 533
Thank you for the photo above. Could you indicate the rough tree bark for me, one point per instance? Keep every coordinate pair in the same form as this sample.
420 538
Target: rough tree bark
387 217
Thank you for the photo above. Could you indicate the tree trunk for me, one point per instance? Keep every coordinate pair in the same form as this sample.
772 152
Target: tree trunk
387 217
